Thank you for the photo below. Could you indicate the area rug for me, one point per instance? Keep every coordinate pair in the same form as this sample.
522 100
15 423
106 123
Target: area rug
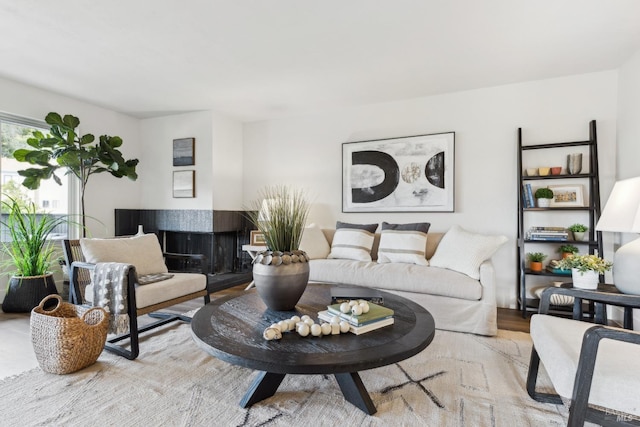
459 380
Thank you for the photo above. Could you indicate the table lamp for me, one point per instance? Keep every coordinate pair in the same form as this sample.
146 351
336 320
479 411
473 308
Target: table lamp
622 214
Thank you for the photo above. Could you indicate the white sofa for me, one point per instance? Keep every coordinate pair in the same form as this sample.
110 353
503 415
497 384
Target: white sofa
457 301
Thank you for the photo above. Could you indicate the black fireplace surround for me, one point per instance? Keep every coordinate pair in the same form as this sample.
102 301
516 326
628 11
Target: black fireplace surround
218 235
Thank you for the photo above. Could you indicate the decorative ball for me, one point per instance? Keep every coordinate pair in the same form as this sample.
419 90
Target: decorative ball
303 329
272 334
292 324
276 326
353 302
356 310
345 307
335 319
344 326
309 321
316 330
284 325
305 317
295 319
326 328
365 307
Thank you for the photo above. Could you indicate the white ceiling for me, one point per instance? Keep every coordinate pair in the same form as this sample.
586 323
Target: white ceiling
260 59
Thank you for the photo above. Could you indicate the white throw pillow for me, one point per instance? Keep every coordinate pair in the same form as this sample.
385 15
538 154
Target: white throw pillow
463 251
403 243
352 241
144 252
314 243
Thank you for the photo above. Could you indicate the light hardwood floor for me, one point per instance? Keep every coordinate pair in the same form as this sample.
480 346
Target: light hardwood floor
16 352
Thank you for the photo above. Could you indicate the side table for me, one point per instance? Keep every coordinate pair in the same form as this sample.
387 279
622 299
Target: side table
252 251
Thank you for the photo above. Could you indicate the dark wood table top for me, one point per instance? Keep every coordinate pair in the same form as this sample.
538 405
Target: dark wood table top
230 328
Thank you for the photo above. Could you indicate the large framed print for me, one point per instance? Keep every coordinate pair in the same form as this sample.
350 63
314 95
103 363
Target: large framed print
405 174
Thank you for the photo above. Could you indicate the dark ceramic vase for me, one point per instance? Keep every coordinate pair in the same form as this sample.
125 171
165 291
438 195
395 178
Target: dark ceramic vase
281 286
25 293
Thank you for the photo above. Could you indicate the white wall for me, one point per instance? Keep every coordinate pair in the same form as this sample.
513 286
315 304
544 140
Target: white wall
628 153
218 165
305 151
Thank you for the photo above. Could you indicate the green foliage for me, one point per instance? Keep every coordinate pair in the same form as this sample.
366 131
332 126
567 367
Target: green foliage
280 214
12 137
584 263
30 252
536 256
11 189
78 154
580 228
544 193
568 249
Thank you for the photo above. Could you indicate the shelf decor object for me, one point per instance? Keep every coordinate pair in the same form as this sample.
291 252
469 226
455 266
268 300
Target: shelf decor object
405 174
622 215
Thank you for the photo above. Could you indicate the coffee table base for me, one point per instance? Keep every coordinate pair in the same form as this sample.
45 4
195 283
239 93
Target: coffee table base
266 384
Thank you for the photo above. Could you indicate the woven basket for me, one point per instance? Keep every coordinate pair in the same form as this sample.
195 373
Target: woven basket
67 337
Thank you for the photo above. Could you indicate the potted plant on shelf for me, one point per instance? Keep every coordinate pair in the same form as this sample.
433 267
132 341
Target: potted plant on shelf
578 231
585 269
281 272
567 250
544 196
30 254
78 154
535 260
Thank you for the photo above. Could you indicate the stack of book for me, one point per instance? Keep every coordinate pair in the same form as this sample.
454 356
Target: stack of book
377 317
553 234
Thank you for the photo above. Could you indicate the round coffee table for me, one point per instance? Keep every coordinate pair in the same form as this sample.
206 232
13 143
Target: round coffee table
230 328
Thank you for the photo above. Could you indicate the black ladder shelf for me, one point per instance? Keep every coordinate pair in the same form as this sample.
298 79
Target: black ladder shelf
527 305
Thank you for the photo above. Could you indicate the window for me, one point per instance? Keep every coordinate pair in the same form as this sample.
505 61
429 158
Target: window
51 198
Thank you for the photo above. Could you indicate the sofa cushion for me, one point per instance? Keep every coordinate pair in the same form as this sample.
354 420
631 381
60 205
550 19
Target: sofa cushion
353 241
397 277
404 243
463 251
314 243
143 252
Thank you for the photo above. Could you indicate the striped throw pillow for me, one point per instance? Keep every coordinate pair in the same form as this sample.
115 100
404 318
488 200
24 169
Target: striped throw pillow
353 241
403 243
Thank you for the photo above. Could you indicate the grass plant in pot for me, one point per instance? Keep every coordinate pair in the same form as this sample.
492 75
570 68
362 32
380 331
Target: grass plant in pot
535 261
544 196
281 272
29 254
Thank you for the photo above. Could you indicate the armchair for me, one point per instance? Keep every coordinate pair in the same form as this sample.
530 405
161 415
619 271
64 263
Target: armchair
595 366
145 258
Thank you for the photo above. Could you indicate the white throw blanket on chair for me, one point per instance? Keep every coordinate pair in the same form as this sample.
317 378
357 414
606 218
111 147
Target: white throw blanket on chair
110 292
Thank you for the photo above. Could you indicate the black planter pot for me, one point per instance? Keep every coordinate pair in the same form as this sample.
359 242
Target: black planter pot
25 293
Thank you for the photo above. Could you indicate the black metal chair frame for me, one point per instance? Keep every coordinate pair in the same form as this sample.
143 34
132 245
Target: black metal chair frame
579 410
75 297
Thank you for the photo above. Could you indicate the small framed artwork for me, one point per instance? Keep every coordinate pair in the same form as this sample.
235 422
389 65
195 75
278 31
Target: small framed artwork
405 174
184 183
257 239
183 152
567 196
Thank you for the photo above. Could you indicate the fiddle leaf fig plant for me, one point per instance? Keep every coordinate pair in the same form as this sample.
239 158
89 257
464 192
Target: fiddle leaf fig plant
80 155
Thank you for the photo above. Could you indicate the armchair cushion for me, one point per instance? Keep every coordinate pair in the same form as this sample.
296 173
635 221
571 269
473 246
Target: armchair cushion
615 381
143 252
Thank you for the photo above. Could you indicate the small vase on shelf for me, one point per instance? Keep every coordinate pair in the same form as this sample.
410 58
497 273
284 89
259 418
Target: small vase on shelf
140 231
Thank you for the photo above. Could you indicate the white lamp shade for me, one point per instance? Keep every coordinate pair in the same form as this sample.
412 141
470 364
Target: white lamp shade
622 211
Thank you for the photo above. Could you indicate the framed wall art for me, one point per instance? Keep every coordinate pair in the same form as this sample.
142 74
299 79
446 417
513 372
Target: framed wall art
405 174
184 183
257 238
184 152
567 196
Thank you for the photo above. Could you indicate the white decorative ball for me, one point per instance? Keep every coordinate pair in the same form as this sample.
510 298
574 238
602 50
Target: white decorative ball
295 319
292 324
309 321
305 317
303 329
326 328
345 307
353 302
276 326
336 319
356 310
272 334
344 326
284 325
365 307
316 330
